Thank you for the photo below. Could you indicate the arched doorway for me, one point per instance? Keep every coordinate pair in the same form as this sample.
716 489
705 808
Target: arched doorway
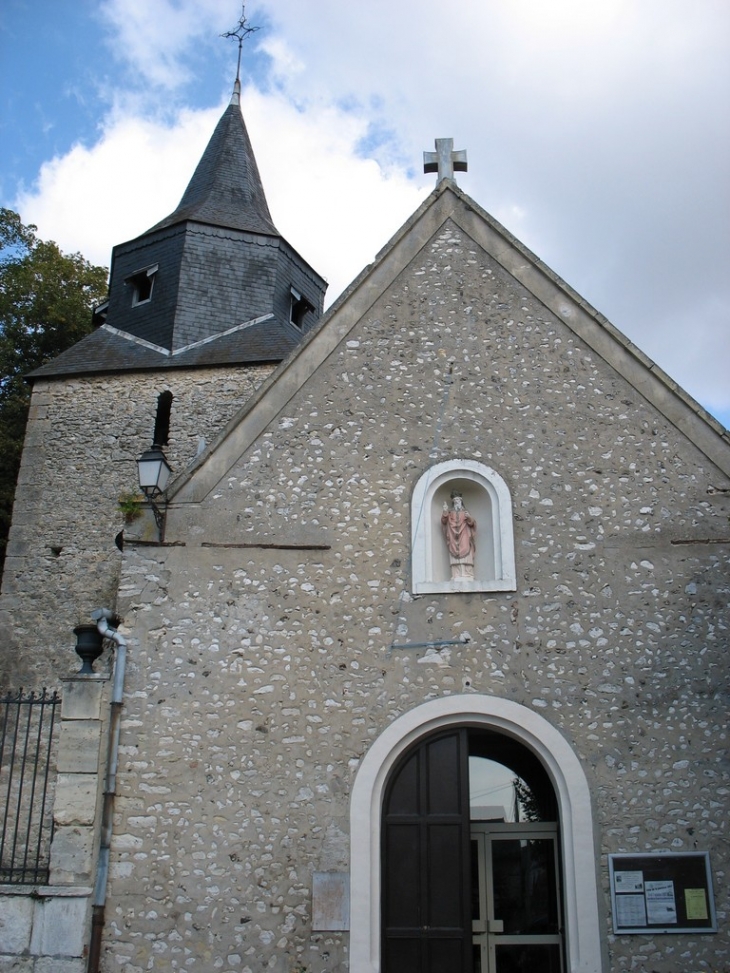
470 859
476 715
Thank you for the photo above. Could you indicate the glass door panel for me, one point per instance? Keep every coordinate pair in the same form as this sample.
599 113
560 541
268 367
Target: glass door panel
525 890
544 958
516 924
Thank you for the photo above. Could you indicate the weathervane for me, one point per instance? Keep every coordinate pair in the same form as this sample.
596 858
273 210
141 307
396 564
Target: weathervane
242 31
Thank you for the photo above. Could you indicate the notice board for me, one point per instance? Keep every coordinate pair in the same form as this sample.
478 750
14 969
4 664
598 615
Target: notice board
662 892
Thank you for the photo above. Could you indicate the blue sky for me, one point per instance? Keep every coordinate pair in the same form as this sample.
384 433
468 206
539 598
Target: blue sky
597 131
63 66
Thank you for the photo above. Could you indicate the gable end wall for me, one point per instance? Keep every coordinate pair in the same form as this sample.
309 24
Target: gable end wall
274 645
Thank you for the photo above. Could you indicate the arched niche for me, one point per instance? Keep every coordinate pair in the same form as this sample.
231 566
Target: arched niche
490 715
487 499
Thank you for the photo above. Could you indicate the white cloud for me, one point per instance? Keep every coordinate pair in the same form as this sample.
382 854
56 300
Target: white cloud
153 37
336 208
97 196
595 131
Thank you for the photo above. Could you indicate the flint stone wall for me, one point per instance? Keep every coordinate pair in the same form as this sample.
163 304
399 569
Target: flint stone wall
260 675
83 438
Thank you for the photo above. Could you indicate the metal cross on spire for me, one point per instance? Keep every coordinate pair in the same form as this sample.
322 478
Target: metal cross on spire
243 29
445 161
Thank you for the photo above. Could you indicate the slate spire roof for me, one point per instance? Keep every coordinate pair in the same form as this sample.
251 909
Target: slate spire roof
226 188
214 283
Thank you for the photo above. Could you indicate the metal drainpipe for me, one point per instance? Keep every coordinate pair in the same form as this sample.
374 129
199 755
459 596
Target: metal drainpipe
102 617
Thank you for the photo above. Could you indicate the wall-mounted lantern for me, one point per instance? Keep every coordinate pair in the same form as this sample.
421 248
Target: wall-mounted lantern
154 473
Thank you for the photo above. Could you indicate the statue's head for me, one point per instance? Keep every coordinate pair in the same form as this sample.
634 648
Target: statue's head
457 499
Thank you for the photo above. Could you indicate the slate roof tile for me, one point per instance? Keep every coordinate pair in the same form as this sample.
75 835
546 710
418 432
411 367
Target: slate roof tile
107 351
226 188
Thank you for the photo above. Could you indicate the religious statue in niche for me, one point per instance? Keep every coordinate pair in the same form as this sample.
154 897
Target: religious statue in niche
459 529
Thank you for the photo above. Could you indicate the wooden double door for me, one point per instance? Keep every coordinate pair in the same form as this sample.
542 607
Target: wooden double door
463 895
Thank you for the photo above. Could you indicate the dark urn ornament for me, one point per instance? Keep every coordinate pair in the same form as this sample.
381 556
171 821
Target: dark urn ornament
88 647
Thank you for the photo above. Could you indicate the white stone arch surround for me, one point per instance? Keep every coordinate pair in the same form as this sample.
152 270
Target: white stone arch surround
582 927
488 500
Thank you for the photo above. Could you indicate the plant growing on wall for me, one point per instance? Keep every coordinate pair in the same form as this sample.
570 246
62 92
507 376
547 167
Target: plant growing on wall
130 504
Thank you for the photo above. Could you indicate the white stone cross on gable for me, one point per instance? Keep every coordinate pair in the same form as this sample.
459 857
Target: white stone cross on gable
445 160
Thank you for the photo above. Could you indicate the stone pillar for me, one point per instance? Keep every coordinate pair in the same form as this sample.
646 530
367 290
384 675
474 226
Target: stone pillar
62 920
80 772
46 929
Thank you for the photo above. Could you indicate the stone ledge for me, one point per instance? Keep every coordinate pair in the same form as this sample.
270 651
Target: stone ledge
46 891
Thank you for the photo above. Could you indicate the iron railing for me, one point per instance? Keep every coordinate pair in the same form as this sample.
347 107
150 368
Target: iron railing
27 778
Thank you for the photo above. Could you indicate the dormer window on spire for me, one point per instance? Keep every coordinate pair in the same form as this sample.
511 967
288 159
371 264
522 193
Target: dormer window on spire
298 308
142 283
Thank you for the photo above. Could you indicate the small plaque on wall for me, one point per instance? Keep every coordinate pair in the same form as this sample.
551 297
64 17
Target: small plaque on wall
662 893
331 901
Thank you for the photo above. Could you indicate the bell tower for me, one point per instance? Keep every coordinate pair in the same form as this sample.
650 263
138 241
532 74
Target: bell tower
212 284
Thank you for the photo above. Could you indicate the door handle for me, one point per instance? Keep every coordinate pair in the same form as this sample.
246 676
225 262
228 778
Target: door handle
496 925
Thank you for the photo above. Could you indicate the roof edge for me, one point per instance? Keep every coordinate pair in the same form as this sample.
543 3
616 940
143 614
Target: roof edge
600 319
169 366
447 201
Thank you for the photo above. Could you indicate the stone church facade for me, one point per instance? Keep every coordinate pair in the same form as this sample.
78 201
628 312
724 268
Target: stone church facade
318 701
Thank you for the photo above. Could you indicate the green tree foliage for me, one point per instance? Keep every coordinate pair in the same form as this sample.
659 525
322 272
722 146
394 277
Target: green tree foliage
46 298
